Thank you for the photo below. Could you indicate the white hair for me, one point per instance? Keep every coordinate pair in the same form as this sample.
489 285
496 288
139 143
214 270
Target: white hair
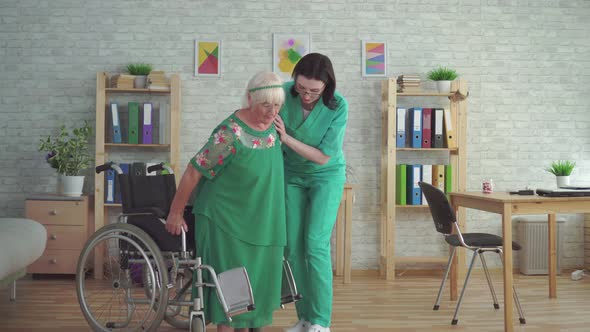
264 87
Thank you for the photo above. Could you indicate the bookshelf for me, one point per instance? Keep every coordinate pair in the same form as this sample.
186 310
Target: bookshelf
457 159
104 93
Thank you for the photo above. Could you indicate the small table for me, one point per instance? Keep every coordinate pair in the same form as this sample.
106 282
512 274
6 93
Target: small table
507 205
344 234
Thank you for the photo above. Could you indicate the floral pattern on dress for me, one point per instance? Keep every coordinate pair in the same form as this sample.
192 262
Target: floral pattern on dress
270 140
236 128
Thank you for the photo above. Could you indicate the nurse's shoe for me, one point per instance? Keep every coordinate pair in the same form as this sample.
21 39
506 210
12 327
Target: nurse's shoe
301 326
318 328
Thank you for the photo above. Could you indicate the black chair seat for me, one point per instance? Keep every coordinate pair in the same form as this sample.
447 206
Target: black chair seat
482 240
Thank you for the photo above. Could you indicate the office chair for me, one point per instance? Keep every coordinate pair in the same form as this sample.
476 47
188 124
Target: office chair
445 221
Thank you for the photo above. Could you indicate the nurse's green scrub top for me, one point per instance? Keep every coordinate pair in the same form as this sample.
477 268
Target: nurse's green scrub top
323 129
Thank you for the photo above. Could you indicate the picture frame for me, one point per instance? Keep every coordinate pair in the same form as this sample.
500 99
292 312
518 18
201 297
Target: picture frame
287 49
373 58
207 58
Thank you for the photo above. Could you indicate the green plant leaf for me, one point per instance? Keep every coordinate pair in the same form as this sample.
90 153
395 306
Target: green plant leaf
561 167
442 74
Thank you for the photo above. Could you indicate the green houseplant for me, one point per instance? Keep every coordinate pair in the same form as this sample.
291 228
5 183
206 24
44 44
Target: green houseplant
443 77
68 153
562 169
140 71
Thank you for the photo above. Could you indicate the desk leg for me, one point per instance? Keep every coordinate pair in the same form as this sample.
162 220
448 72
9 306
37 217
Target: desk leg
507 238
552 231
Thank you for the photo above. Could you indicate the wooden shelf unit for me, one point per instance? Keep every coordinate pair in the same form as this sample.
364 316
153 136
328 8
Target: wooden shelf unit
457 158
103 95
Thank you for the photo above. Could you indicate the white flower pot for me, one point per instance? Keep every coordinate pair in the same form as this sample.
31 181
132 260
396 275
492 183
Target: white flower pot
140 82
563 181
71 185
443 86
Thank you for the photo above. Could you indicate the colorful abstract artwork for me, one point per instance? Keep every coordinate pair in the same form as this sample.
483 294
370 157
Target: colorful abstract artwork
207 58
374 59
287 49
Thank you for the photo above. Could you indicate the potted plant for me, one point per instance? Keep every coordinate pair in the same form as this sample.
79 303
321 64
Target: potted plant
140 71
562 169
443 77
68 153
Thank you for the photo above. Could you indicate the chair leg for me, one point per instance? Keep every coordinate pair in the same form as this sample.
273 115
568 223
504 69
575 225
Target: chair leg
455 320
489 278
521 318
442 284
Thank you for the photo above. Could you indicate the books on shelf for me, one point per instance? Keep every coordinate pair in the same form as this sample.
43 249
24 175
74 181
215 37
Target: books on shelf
122 81
157 80
137 123
409 83
425 127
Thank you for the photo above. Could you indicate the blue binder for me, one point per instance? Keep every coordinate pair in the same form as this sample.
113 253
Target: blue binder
400 140
115 123
415 127
414 193
125 169
110 187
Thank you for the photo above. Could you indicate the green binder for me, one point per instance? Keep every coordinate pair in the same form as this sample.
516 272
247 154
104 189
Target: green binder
400 184
133 123
448 179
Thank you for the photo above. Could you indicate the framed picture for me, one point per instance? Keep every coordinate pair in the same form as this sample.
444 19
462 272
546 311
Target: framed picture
373 58
208 58
287 49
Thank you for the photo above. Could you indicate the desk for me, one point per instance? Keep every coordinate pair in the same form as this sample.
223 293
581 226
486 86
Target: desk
508 205
344 234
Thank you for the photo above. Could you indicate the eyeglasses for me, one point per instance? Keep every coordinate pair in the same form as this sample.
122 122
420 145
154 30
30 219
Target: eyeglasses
312 93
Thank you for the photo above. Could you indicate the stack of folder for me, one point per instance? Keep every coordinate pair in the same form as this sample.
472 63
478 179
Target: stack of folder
409 83
157 81
122 81
422 127
408 191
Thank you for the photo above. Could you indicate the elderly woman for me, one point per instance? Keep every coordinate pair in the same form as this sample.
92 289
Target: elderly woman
239 207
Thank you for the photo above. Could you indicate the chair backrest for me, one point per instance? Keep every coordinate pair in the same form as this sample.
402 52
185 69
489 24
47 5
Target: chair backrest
440 208
147 191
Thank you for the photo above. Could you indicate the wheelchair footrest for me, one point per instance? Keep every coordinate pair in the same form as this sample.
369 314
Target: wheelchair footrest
236 290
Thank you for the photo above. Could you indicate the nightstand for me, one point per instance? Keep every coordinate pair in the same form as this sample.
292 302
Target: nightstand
69 222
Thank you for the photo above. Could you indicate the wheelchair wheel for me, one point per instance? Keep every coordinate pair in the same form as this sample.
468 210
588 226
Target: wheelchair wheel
197 324
115 301
176 315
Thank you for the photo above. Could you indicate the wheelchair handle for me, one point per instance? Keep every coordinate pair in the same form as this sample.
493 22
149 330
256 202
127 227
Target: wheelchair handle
160 167
109 165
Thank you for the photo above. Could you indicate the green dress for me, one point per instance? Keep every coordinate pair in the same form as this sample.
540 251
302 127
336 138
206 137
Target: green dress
240 215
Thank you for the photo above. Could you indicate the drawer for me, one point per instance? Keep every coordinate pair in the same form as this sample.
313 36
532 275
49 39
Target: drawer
57 212
56 261
65 237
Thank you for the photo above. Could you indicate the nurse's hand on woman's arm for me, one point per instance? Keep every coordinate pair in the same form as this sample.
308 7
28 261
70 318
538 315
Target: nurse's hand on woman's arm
306 151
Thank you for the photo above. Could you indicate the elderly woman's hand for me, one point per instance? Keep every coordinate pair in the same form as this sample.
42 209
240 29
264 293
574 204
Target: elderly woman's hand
280 127
174 223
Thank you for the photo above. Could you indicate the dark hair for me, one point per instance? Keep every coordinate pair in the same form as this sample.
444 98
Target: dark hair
318 67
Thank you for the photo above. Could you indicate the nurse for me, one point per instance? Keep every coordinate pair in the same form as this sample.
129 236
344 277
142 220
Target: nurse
311 125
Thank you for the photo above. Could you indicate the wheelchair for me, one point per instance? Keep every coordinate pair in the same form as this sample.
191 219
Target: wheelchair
148 274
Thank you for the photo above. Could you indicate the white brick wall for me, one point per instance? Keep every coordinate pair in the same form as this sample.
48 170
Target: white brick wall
526 63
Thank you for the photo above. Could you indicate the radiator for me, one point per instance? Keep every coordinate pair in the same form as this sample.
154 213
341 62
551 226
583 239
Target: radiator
532 236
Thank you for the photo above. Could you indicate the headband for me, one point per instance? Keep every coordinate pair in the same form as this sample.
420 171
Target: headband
265 87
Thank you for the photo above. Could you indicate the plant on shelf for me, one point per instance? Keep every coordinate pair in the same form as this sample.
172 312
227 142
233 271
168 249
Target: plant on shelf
140 71
68 154
443 77
562 169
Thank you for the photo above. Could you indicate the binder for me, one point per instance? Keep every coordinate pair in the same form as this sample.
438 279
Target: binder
449 132
400 184
125 169
138 169
415 127
110 187
115 123
400 140
438 176
133 110
427 178
448 179
437 128
146 132
163 125
426 127
414 193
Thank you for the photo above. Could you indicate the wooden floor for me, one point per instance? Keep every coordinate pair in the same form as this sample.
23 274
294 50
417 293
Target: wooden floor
368 304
